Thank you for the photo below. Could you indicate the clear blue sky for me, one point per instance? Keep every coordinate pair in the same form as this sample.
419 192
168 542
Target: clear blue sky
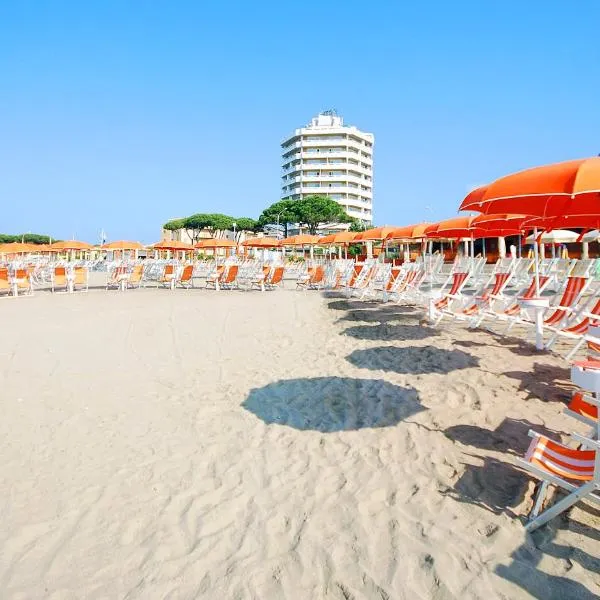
122 114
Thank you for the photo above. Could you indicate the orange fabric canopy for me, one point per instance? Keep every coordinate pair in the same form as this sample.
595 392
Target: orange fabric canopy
378 233
214 243
17 248
122 245
566 188
69 245
172 245
458 227
262 242
410 232
341 238
300 240
499 225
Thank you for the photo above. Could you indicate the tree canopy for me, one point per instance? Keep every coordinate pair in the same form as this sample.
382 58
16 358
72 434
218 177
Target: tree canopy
212 222
311 211
28 238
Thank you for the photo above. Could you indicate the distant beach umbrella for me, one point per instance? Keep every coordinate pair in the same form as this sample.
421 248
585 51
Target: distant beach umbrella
69 245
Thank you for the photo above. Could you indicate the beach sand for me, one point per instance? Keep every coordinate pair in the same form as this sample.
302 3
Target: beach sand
196 444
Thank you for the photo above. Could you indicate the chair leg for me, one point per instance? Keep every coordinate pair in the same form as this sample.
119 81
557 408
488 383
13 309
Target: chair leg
539 499
560 507
575 349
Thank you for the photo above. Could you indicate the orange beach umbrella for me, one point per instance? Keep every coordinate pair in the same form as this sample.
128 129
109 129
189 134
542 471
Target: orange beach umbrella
16 248
173 245
300 240
376 234
215 243
555 190
69 245
342 238
410 232
122 245
457 227
262 242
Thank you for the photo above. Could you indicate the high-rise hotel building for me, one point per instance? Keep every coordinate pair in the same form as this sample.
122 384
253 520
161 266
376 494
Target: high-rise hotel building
328 158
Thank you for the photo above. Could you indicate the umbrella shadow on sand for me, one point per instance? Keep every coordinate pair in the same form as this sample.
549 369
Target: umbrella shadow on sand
387 332
416 360
329 404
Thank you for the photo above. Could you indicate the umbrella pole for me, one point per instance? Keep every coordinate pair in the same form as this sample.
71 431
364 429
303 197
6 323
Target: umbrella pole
535 258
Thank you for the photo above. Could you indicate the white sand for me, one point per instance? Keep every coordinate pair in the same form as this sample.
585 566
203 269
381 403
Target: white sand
282 445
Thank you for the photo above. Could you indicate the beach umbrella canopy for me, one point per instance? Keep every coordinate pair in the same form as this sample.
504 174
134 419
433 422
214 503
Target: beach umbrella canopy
122 245
341 238
262 242
376 234
565 222
556 190
69 245
499 225
407 232
17 248
214 243
457 227
300 240
172 245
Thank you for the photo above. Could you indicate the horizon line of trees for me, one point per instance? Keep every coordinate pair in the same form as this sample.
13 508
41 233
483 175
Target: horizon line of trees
309 212
27 238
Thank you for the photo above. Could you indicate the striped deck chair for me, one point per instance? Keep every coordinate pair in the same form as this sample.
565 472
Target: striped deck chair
444 304
229 279
168 275
275 279
317 279
115 277
80 279
214 278
59 279
584 408
184 279
5 286
558 313
355 276
485 300
514 309
412 290
136 278
261 277
576 328
22 282
575 470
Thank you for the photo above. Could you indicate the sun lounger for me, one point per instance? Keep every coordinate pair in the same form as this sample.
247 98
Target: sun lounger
184 279
575 470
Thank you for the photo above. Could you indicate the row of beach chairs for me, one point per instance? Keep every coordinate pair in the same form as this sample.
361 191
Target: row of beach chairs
465 292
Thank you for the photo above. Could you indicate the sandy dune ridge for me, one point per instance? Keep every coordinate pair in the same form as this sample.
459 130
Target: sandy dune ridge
279 445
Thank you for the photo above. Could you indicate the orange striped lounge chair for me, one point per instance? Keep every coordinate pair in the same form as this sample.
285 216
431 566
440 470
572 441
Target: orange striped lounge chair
444 304
5 285
576 471
474 311
275 279
135 279
59 279
214 279
80 279
22 282
514 309
577 330
185 279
